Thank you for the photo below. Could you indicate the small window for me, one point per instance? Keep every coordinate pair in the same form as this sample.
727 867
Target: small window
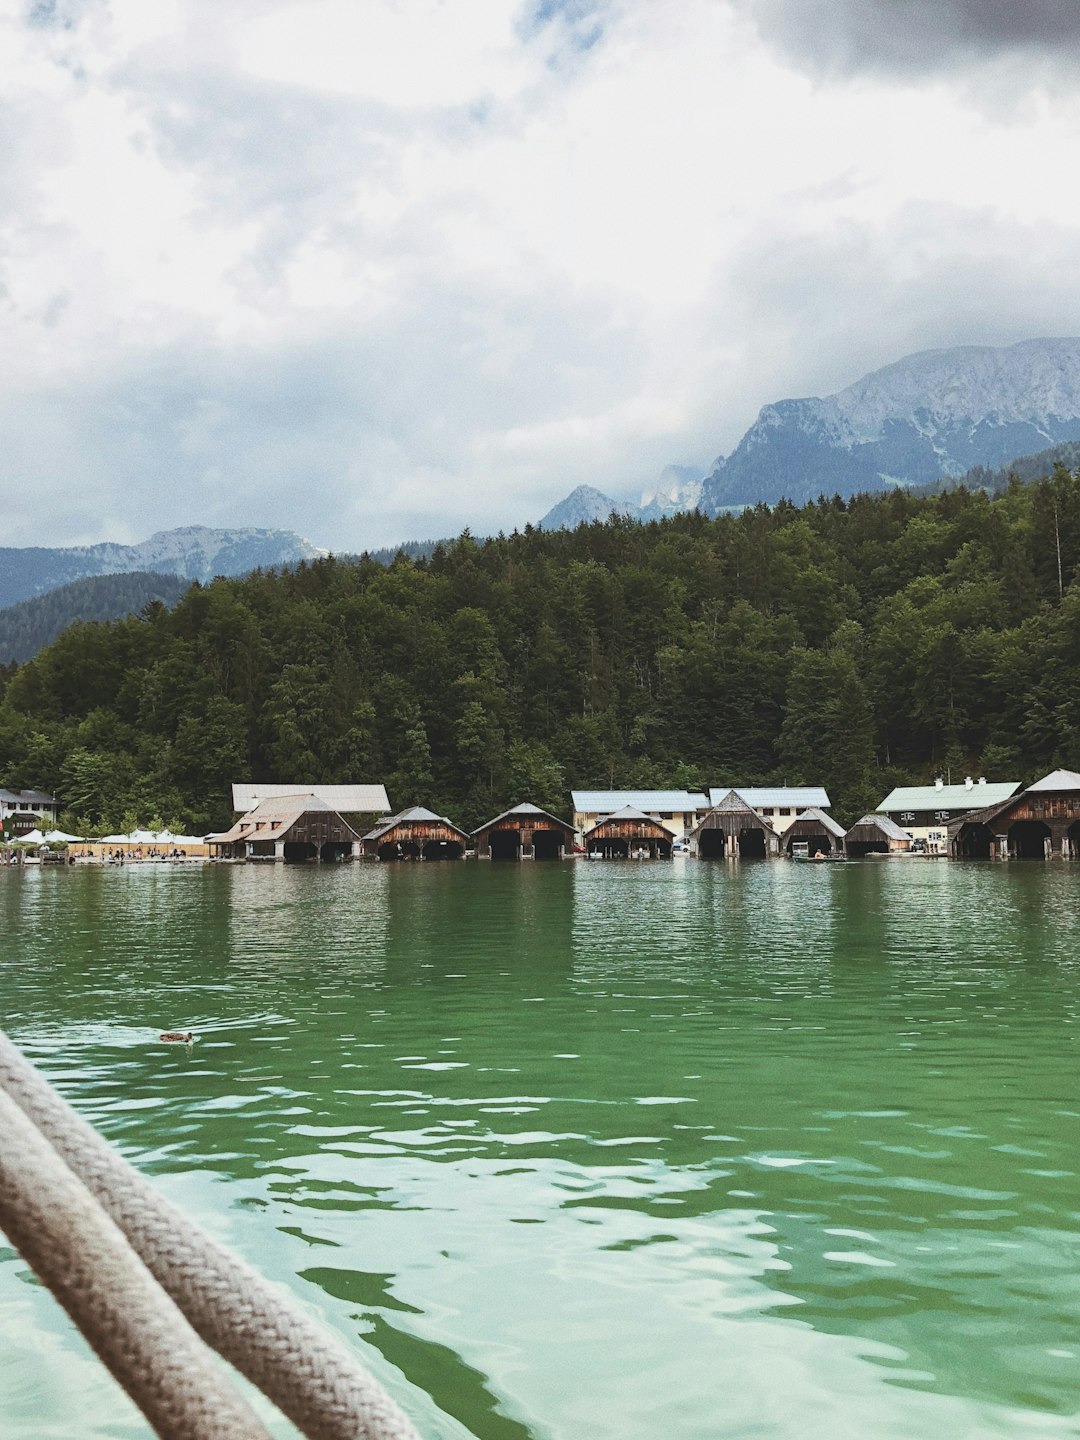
784 810
907 817
941 814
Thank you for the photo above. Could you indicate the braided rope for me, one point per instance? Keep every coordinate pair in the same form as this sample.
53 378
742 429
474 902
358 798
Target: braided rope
65 1236
308 1373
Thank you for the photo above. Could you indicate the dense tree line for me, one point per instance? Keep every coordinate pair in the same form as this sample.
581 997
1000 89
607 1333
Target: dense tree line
858 643
30 625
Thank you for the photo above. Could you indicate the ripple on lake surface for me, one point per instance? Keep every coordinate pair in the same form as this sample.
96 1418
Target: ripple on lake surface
696 1150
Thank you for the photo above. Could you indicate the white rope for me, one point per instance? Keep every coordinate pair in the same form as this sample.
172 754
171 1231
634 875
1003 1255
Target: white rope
65 1236
307 1372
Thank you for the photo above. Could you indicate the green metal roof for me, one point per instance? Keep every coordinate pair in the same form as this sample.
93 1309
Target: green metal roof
949 797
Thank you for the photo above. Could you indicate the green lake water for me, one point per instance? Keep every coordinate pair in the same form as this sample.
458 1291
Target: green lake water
683 1150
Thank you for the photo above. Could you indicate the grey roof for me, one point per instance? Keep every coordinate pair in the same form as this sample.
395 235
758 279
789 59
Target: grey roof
773 797
604 802
1057 780
820 818
280 814
884 824
525 809
346 799
949 797
732 803
26 797
416 813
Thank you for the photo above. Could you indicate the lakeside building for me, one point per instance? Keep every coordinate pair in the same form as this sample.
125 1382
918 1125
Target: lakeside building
676 810
876 835
732 829
628 833
778 804
24 808
417 834
524 833
925 811
288 827
812 833
1041 822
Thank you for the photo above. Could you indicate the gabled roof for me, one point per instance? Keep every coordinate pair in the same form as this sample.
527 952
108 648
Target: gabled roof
525 809
345 799
627 812
605 802
825 821
733 804
1057 780
774 797
949 797
416 814
278 814
884 824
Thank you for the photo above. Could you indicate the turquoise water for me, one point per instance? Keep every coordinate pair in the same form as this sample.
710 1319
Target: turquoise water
679 1150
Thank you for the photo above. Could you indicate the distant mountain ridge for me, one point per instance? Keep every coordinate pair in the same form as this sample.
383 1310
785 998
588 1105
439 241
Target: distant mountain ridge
193 552
928 416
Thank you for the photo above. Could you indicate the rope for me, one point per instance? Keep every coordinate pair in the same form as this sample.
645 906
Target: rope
63 1233
308 1373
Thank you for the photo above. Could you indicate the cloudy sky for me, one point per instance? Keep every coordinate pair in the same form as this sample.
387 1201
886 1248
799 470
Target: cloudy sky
379 269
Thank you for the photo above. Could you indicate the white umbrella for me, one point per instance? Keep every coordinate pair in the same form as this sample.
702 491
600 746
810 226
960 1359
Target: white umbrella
60 837
32 837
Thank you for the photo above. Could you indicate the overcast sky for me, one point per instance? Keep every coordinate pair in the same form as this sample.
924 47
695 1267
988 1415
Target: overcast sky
379 269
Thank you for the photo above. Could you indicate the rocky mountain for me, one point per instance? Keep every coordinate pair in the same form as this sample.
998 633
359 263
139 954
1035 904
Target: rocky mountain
581 507
679 488
932 415
193 552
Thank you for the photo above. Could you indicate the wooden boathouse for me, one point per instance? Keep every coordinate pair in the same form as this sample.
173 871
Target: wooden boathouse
524 833
289 827
417 834
813 833
733 830
1041 822
628 834
876 835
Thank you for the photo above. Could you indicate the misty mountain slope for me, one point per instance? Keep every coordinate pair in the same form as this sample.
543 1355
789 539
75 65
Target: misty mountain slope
935 414
193 552
30 625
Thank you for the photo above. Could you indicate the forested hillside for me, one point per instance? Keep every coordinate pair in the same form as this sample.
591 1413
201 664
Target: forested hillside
29 626
856 643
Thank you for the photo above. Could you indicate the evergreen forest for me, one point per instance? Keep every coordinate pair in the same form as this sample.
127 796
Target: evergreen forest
858 644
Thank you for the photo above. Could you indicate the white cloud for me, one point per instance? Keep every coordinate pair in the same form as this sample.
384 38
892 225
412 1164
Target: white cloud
379 270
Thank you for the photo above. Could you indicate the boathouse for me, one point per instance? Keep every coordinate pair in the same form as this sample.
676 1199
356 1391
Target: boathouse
813 833
524 833
289 827
1042 821
778 804
876 835
732 829
677 810
417 834
628 834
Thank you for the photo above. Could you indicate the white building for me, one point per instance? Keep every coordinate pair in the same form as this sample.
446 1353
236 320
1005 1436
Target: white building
28 802
924 811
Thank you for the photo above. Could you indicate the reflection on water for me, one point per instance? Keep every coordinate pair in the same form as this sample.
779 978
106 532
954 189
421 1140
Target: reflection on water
684 1149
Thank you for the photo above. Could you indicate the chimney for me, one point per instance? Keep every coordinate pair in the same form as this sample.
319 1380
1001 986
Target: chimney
968 782
939 783
982 779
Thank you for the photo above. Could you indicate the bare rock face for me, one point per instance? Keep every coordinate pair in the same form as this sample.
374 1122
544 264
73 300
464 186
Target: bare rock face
932 415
